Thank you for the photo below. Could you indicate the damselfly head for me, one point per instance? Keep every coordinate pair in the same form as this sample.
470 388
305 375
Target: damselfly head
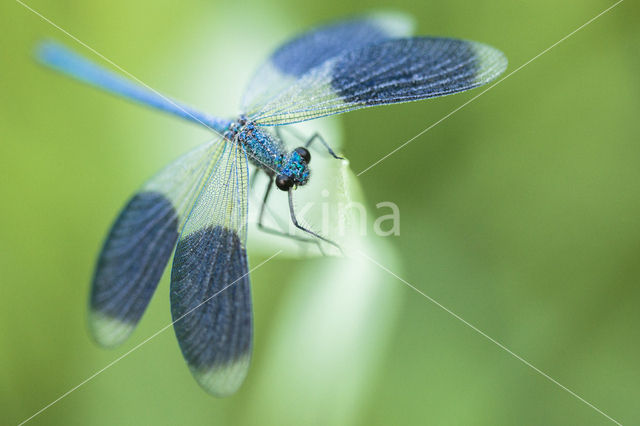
295 171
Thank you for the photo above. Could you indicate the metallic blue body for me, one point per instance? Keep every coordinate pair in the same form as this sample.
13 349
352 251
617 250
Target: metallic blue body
267 152
68 62
264 150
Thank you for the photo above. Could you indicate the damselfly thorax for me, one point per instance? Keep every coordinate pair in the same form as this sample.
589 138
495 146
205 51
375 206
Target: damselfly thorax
267 152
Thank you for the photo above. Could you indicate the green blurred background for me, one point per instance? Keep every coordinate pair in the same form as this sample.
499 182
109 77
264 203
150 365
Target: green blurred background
521 213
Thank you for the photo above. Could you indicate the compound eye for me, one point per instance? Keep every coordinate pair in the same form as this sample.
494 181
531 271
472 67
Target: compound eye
284 182
304 153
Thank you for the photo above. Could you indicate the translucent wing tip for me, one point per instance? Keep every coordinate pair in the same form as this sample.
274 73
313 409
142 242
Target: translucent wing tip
108 331
223 380
395 23
491 62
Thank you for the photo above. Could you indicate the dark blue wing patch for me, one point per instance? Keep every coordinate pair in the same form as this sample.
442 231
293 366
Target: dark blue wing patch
211 307
407 69
312 49
130 265
315 47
